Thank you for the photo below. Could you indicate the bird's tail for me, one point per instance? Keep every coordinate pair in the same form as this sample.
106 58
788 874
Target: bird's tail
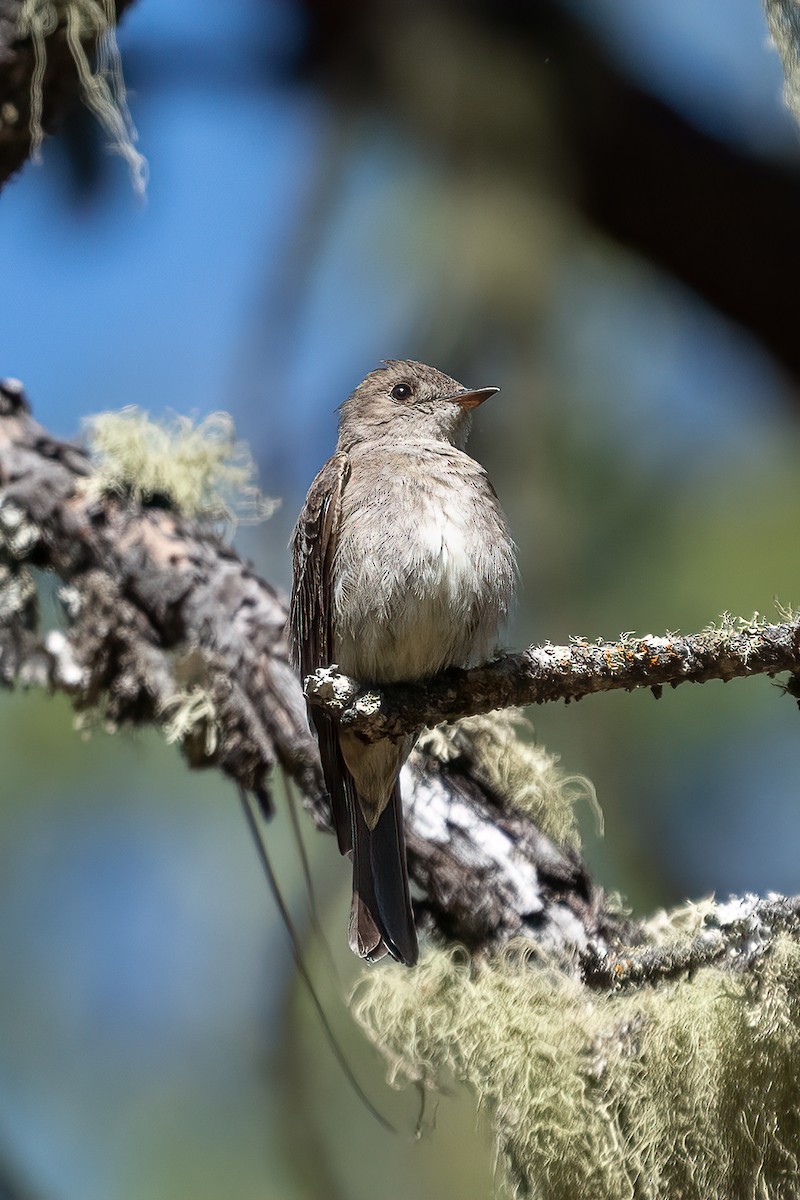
381 916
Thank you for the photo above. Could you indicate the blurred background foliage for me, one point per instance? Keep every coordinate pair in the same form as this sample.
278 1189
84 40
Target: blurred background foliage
592 203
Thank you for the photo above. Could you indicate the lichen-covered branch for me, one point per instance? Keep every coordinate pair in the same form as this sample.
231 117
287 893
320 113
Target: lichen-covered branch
546 673
676 1083
732 934
164 624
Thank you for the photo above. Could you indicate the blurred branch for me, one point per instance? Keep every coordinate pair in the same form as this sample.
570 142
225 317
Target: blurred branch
40 80
735 933
12 1187
719 219
542 674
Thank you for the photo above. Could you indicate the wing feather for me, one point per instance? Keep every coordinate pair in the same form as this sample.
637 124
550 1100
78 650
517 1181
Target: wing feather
311 622
382 917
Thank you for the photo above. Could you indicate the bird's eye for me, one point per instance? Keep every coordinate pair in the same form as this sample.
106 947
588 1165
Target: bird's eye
401 391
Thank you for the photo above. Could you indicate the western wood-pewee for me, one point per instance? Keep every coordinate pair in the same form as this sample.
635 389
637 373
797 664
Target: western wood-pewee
403 566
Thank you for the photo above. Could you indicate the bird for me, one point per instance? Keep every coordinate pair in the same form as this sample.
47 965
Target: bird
403 566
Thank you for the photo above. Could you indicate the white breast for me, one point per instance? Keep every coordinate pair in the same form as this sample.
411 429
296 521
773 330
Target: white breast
417 587
443 553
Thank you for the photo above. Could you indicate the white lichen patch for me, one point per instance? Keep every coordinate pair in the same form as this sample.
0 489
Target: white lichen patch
368 704
548 656
68 672
18 532
71 600
738 908
439 820
17 590
657 644
330 685
188 713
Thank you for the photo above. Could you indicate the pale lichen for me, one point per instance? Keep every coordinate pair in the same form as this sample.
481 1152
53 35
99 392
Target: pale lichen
688 1089
200 469
508 763
191 713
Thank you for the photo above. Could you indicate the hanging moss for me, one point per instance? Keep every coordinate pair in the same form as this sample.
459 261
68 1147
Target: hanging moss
685 1091
87 23
507 763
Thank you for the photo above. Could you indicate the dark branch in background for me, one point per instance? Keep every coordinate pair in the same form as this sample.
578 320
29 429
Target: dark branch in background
12 1186
720 220
684 199
166 626
546 673
60 84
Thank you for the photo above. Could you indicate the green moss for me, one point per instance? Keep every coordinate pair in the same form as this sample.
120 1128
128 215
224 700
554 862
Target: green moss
686 1090
199 469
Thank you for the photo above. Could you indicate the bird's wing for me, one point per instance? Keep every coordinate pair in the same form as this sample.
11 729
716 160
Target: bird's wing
382 918
311 622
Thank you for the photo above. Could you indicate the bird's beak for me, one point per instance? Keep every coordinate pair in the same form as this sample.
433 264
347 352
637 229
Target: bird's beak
473 399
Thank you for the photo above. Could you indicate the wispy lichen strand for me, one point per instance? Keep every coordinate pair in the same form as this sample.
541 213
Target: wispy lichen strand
90 31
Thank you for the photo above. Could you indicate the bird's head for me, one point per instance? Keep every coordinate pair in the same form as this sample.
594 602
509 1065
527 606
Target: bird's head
406 400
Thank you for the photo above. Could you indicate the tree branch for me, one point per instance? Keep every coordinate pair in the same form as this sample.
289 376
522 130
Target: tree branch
734 933
542 674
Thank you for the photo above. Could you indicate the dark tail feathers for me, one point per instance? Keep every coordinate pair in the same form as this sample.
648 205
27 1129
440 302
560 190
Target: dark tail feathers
381 917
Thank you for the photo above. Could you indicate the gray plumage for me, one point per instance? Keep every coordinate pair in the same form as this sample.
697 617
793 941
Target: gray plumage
403 566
